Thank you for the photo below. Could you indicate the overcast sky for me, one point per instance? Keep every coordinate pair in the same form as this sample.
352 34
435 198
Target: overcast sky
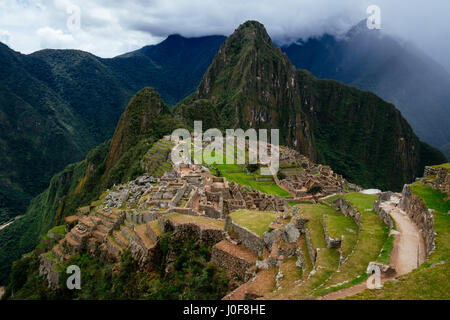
112 27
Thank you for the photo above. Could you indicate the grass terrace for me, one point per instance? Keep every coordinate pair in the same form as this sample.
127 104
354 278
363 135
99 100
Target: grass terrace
372 238
444 166
235 172
327 260
256 221
431 279
201 221
61 230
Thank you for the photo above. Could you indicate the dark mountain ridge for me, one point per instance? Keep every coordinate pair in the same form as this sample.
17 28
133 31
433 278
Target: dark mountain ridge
393 69
56 105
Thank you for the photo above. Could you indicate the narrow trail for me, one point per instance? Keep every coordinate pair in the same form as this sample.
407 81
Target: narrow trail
407 254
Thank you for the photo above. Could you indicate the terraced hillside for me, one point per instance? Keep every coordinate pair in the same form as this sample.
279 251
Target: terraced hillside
304 251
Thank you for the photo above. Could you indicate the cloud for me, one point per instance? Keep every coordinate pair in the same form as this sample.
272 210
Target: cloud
4 36
112 27
55 39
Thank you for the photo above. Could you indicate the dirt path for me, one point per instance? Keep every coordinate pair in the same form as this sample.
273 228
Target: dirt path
409 248
407 254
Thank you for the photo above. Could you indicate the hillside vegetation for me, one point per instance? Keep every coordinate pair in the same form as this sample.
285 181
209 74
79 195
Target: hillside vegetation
56 105
115 161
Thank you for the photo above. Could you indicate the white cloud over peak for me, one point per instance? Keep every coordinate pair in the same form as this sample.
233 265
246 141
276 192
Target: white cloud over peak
112 27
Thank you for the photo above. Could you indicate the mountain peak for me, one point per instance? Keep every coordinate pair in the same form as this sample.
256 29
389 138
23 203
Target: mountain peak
250 31
248 61
254 85
139 119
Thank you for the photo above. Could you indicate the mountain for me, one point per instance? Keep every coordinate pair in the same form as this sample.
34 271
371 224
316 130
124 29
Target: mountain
251 83
146 119
395 70
39 134
56 105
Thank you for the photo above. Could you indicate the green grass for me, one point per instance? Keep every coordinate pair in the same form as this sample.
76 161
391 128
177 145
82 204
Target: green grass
337 226
329 201
361 201
235 172
327 259
58 230
434 199
444 166
256 221
372 238
385 254
429 281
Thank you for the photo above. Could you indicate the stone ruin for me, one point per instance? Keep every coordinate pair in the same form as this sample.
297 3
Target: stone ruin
302 174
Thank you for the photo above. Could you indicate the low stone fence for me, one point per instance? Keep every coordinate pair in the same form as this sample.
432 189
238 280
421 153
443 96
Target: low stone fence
441 178
383 214
312 251
348 210
181 191
416 209
248 238
195 194
210 211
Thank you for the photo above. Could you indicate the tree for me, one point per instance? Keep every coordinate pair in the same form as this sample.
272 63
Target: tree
252 167
281 175
314 190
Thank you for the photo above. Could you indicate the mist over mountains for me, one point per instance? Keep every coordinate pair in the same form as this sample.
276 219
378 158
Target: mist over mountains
395 70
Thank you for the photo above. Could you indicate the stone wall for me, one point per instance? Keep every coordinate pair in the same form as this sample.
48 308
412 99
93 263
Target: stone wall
205 235
235 264
311 249
383 214
438 178
347 209
416 209
248 238
47 268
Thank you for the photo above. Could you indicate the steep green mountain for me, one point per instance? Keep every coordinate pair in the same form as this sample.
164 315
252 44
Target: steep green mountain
251 83
394 70
146 119
39 134
56 105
